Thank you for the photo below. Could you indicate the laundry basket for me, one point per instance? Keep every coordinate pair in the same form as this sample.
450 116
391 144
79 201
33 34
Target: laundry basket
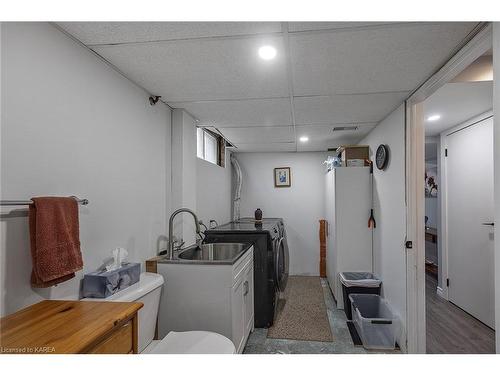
357 283
374 321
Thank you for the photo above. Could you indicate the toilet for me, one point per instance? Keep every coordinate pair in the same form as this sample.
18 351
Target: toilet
148 291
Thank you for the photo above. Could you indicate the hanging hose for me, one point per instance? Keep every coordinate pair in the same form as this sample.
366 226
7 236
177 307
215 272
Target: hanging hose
372 224
371 220
237 188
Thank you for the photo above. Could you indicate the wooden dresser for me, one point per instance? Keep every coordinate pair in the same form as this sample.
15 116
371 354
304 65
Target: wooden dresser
71 327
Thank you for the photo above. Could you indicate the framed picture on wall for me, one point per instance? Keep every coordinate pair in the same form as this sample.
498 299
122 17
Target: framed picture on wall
282 177
431 187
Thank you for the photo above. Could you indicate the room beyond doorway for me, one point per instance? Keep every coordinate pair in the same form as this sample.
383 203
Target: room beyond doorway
459 292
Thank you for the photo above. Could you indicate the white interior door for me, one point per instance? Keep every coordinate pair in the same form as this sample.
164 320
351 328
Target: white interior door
469 174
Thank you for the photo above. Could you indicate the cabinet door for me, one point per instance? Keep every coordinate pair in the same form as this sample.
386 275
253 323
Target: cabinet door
238 313
248 300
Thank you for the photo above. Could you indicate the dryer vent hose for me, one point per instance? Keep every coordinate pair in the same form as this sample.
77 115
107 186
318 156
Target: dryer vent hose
237 188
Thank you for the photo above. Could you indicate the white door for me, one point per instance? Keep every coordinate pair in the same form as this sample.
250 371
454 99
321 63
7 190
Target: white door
469 170
248 296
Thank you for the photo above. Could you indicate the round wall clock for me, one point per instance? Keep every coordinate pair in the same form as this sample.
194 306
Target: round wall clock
382 156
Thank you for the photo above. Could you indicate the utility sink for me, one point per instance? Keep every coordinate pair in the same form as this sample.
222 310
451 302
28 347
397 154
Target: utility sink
214 252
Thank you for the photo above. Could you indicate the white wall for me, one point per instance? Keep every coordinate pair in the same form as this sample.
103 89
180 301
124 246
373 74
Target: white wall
496 111
213 193
184 179
301 206
72 125
197 184
432 149
431 211
390 210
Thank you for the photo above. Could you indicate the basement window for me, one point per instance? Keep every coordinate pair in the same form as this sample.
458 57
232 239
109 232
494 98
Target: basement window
210 146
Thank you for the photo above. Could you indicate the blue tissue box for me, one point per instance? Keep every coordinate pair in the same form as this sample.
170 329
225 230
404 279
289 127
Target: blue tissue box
102 284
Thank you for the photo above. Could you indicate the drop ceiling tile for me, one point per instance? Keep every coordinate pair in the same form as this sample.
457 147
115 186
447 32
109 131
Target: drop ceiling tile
313 26
266 147
254 134
240 112
321 138
374 60
322 145
326 132
346 108
130 32
200 70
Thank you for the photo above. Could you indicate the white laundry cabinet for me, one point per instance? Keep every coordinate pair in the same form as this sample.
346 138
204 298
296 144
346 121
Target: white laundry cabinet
208 297
348 204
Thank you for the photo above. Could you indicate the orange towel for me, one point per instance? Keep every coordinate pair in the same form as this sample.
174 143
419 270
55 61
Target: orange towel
55 240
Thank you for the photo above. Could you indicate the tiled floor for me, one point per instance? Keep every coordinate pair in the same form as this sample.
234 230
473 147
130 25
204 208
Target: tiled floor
258 343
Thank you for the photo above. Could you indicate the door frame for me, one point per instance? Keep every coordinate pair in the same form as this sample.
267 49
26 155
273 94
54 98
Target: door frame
443 267
479 42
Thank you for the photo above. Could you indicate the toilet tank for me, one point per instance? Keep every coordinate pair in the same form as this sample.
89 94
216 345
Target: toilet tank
148 291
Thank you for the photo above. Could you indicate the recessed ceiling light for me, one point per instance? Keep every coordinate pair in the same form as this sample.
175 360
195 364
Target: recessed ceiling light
304 138
267 52
433 118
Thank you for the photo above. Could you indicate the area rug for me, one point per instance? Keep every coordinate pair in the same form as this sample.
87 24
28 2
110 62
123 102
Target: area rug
302 315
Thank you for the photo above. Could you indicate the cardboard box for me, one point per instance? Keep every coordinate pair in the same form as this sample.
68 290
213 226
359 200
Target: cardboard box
352 152
355 163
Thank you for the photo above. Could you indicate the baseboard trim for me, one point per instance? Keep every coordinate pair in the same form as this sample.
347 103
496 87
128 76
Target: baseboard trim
440 292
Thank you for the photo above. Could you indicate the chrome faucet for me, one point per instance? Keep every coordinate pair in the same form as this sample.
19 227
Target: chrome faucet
171 229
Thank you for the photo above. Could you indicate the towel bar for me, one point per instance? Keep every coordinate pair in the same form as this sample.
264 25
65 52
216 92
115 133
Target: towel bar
83 202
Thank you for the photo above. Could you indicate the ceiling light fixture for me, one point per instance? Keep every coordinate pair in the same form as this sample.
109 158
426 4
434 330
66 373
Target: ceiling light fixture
433 118
267 52
304 138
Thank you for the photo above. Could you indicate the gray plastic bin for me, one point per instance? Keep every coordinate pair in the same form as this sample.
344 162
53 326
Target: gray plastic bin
374 321
357 283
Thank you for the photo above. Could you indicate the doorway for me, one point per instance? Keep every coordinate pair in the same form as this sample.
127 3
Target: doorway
447 311
459 271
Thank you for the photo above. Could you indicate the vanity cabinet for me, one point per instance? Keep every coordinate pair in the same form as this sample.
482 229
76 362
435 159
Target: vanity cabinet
208 297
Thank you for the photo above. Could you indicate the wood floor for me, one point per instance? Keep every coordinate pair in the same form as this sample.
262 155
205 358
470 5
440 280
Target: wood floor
451 330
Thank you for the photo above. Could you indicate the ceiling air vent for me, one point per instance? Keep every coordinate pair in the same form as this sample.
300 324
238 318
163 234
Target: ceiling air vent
345 128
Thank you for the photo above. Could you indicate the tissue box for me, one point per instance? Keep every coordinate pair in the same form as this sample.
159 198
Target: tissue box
102 284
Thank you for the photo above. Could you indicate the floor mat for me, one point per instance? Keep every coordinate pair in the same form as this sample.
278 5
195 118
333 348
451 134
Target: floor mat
303 314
